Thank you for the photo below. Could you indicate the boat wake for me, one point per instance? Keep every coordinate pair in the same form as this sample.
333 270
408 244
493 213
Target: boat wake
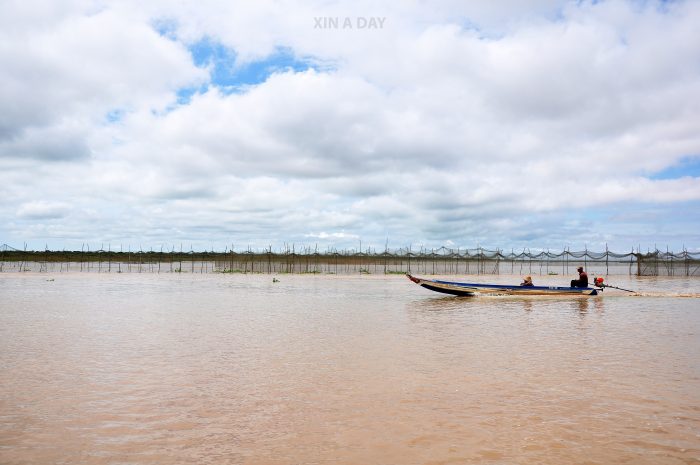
687 295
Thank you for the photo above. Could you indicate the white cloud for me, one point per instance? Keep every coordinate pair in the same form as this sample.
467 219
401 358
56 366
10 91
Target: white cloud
335 235
461 122
43 210
80 68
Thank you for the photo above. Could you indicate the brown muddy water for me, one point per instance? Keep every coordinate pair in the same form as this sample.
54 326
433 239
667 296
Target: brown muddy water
219 369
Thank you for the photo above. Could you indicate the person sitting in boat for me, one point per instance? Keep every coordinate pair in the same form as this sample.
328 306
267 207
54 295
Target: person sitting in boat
582 280
527 281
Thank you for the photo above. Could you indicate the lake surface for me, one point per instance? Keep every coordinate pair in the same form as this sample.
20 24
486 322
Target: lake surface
211 369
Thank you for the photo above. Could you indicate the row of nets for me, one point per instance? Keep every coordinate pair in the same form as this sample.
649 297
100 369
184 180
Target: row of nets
443 260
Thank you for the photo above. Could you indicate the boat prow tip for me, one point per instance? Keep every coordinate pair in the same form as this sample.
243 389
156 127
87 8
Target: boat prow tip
415 280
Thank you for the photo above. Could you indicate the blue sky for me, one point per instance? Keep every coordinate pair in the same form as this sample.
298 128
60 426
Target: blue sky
236 123
228 74
686 166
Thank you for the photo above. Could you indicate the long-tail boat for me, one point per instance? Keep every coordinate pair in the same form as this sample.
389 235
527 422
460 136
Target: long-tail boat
472 289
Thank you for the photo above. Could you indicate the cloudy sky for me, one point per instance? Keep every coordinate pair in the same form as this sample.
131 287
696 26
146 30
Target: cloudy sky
538 124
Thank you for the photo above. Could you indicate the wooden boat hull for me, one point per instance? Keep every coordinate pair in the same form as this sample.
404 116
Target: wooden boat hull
472 289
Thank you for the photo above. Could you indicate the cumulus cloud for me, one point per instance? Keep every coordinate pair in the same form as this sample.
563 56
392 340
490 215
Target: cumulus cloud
42 210
456 123
334 235
79 68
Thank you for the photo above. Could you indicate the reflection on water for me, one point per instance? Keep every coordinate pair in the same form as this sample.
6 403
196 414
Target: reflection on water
527 303
321 369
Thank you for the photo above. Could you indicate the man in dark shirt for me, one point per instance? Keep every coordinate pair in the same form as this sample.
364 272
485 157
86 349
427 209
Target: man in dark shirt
582 280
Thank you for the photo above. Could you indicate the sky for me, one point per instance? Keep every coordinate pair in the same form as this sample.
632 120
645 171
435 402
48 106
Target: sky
345 124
